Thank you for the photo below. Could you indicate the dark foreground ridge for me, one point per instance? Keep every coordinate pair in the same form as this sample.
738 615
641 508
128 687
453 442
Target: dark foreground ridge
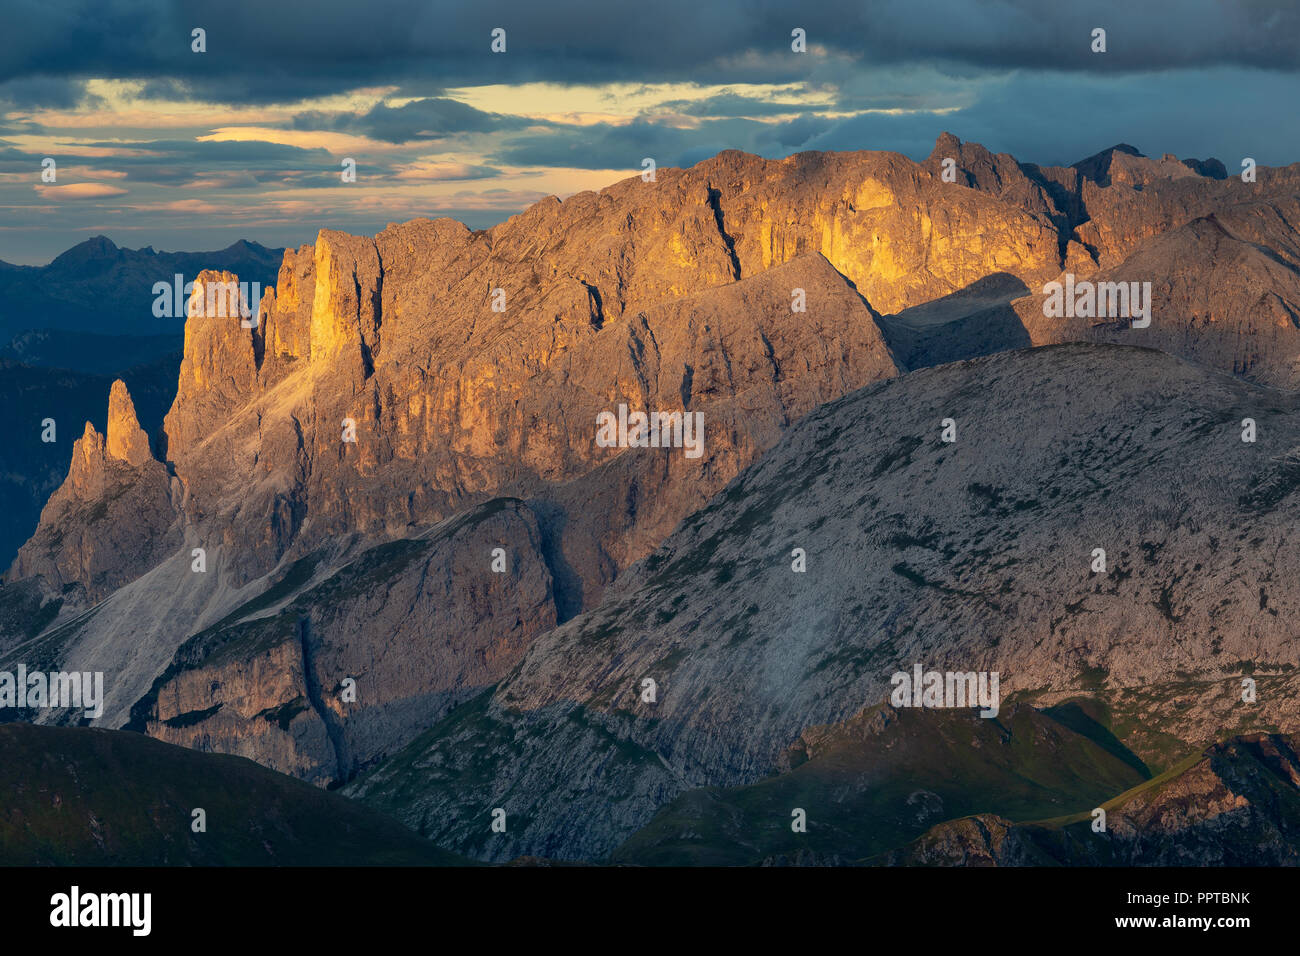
87 797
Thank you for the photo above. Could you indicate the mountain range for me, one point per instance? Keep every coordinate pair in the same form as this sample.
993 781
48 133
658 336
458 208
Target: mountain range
374 545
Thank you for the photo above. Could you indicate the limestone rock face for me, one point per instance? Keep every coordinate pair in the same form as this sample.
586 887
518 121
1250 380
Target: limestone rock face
399 341
1225 293
219 369
730 352
1046 192
895 229
86 474
1142 198
414 626
389 382
379 390
1107 205
970 556
736 353
1220 254
37 388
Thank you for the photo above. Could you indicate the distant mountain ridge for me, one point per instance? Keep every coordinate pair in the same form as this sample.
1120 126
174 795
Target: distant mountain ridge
87 351
97 286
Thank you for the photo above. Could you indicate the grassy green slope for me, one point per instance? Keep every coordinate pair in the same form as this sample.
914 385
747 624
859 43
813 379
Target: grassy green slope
102 797
866 792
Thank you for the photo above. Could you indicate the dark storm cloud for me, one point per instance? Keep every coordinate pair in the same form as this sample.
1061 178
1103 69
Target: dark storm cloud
238 152
300 48
1197 78
732 104
1022 113
429 118
44 92
1236 116
18 161
609 146
214 164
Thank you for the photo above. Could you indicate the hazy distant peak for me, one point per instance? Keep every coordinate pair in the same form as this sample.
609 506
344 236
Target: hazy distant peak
97 247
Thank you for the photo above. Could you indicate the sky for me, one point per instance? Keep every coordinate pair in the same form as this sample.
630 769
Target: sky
157 144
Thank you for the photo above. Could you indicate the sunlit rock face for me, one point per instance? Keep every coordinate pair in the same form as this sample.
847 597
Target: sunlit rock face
466 365
470 364
350 668
1223 289
125 440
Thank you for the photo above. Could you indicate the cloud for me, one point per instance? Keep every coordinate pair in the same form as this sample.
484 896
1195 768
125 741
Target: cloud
1022 114
234 179
432 172
304 48
78 191
89 172
605 146
411 91
41 91
431 118
176 159
187 206
338 144
497 200
734 105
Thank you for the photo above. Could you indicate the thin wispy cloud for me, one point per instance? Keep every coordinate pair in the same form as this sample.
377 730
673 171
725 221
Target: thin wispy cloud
79 191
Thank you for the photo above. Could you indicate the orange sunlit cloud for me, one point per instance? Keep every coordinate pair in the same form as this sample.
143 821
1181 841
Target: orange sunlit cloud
432 172
182 205
338 143
79 191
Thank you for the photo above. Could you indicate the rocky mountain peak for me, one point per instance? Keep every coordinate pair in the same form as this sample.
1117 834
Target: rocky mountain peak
97 247
112 518
86 472
219 367
1097 166
96 456
125 439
